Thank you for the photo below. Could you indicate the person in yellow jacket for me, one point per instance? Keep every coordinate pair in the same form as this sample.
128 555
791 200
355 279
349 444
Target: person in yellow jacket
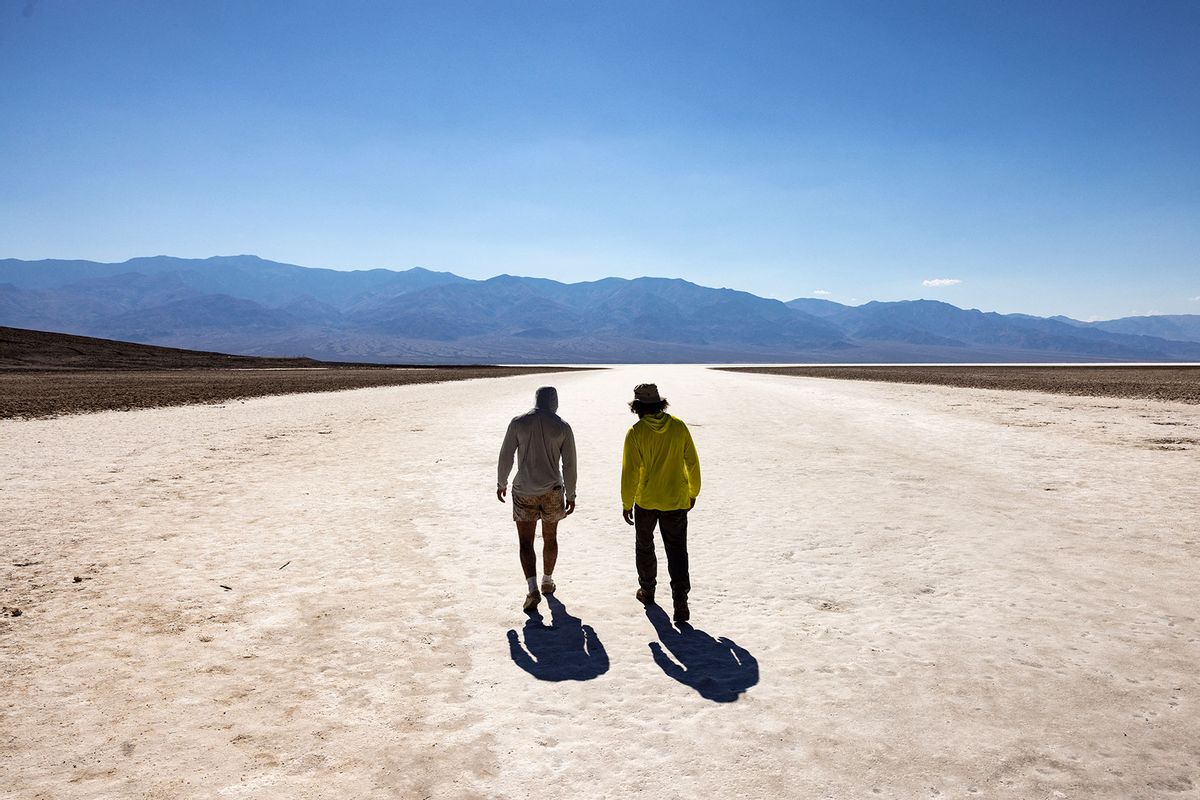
660 480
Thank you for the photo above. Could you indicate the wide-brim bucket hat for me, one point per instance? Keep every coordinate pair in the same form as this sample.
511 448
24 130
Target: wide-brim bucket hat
646 393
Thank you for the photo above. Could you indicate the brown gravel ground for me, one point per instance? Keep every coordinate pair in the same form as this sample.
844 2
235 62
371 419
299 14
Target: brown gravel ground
1160 382
46 393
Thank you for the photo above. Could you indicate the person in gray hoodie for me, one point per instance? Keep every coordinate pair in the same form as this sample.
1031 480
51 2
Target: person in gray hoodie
539 439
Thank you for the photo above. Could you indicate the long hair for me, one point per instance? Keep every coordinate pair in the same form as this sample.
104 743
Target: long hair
642 409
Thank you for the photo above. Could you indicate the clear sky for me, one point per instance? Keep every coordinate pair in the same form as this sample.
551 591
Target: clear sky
1045 155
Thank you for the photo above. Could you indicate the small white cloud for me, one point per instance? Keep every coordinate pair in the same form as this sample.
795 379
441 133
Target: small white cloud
940 282
1196 299
821 293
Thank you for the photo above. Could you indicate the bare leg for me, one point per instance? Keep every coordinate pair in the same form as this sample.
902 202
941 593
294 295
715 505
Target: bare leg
549 546
525 534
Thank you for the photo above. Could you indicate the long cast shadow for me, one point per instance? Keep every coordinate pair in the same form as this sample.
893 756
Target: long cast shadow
717 668
564 650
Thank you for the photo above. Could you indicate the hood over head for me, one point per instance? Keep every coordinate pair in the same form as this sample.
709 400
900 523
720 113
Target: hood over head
546 399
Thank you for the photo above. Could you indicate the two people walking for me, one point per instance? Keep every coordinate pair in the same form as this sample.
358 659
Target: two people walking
660 481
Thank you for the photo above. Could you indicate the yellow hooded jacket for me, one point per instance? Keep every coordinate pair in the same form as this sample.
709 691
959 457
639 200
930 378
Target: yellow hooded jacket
660 469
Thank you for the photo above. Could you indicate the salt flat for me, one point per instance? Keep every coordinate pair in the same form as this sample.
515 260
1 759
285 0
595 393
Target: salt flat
899 591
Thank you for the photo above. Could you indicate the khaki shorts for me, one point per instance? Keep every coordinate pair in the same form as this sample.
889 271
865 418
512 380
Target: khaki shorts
548 507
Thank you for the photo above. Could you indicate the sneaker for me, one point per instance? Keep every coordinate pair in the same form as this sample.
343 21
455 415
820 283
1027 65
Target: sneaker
681 612
531 601
644 597
548 586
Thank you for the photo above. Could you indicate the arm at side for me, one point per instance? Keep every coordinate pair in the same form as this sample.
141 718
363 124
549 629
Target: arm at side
631 470
691 465
570 472
508 451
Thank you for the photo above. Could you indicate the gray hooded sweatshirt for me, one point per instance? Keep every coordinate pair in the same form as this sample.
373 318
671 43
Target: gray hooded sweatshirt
539 439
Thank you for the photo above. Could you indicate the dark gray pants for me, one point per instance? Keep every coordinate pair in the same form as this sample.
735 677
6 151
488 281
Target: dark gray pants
673 527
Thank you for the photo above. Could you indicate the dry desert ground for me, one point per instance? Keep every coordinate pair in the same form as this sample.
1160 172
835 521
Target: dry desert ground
899 591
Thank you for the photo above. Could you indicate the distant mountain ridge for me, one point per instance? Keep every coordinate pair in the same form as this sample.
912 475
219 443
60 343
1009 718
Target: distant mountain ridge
248 305
1176 327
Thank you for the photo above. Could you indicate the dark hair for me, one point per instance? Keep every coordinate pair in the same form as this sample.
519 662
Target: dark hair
642 409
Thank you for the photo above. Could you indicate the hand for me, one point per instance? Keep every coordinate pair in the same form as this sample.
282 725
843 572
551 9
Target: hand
627 513
570 508
692 505
500 494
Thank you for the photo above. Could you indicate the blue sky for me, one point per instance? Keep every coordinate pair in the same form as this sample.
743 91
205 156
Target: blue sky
1045 155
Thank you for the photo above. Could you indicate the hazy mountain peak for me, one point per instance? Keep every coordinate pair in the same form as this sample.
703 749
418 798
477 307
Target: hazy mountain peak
244 303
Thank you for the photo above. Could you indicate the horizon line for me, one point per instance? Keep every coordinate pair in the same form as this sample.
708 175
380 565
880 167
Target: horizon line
818 295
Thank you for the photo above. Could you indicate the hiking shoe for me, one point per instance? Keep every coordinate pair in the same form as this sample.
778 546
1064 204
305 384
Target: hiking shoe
548 586
531 601
644 597
681 612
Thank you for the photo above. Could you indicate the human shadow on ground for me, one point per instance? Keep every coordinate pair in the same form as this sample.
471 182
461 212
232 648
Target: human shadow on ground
564 650
718 668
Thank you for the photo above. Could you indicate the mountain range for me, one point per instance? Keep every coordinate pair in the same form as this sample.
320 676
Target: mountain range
248 305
